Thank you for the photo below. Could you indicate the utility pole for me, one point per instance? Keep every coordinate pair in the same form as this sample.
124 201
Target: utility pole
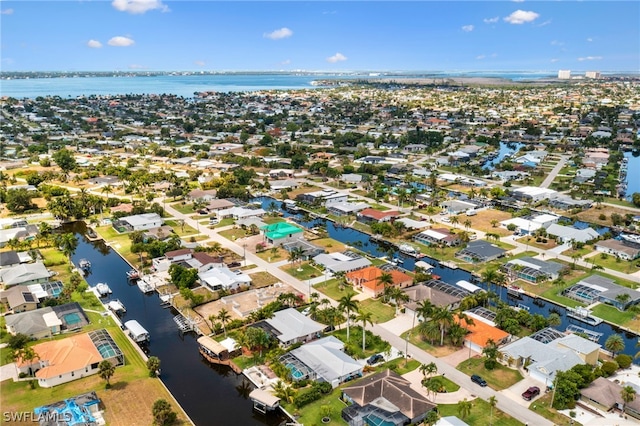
406 338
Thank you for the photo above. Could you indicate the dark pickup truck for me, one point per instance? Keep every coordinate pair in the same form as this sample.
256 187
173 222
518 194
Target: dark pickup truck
531 393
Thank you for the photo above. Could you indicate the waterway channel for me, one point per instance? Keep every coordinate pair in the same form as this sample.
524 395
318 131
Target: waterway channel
506 148
209 394
363 242
633 173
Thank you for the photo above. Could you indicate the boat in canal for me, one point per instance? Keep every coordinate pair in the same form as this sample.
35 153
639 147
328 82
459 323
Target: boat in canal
137 332
584 315
103 289
117 307
291 206
144 286
133 274
84 265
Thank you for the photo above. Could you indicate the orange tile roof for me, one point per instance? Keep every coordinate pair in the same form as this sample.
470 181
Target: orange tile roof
368 277
480 332
66 355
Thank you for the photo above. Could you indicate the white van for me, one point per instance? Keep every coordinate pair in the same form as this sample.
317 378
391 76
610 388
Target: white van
472 212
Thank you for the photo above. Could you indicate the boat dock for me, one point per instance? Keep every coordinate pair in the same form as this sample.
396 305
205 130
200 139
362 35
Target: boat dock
584 315
450 265
186 324
594 336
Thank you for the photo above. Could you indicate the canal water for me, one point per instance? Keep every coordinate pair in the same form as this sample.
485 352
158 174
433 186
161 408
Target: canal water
363 242
509 148
633 173
211 395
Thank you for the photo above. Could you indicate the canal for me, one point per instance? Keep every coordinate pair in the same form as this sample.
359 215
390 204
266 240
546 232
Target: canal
363 242
506 148
209 394
633 173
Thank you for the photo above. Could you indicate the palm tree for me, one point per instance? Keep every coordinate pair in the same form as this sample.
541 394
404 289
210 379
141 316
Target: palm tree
444 318
425 309
398 296
106 370
614 344
386 279
428 369
429 330
493 401
467 224
455 221
347 304
464 408
224 317
490 276
627 394
107 189
364 317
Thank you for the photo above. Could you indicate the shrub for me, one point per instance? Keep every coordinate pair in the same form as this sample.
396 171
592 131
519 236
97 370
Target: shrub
490 364
609 367
623 360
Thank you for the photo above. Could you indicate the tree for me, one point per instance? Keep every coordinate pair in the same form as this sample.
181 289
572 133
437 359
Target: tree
464 408
364 317
105 371
614 344
153 365
493 401
68 243
455 221
627 394
386 279
428 369
18 200
65 160
162 413
444 318
490 352
348 304
224 318
431 418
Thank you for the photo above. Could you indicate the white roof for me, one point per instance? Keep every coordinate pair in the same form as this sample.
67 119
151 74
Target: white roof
135 328
524 224
37 291
413 224
51 319
325 357
223 277
434 234
141 219
543 218
292 325
230 344
534 190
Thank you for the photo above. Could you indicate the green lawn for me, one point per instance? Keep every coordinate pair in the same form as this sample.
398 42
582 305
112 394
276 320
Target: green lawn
380 312
616 264
480 414
53 256
311 414
399 365
184 208
612 314
329 244
542 407
302 271
448 385
499 378
182 229
270 220
331 288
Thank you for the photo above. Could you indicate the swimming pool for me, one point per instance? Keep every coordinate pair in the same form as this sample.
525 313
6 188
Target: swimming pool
295 373
67 412
373 420
72 318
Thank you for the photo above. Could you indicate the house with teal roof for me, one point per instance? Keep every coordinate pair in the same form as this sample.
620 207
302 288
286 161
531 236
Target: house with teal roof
281 232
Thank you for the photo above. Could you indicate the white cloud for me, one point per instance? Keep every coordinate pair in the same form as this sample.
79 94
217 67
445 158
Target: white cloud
557 43
7 12
199 63
285 62
480 57
554 60
94 44
545 23
139 6
491 20
120 41
521 17
589 39
467 28
283 32
590 58
338 57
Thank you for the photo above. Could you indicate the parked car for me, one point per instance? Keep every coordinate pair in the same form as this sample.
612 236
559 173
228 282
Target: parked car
446 219
531 393
374 359
233 264
306 311
479 380
214 221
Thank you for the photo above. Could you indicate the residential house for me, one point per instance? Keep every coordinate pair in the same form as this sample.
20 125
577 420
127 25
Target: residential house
202 195
279 185
218 204
596 288
341 262
368 280
346 209
532 194
480 251
19 299
224 278
386 397
351 178
290 326
586 349
481 333
239 213
438 236
324 198
439 293
533 270
24 274
308 249
37 324
457 206
139 222
370 215
75 357
623 249
9 258
569 234
606 395
280 233
565 202
322 360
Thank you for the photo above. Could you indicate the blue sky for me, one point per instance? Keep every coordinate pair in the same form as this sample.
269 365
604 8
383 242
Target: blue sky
319 35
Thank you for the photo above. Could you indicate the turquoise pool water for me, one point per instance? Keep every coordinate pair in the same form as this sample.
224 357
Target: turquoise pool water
295 373
70 413
373 420
72 319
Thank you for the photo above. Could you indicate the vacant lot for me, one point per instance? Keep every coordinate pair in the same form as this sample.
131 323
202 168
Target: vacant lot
482 221
499 378
592 215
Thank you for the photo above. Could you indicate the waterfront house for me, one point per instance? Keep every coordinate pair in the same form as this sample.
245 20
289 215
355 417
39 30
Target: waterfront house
596 288
348 208
480 251
439 293
479 333
368 280
308 249
565 202
339 262
139 222
605 395
370 215
75 357
280 233
437 236
323 360
620 248
386 397
289 326
24 274
324 198
533 270
279 185
224 278
239 213
202 195
19 299
218 204
586 349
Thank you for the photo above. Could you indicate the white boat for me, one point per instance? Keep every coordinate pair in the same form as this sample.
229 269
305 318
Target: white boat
165 299
116 306
633 238
103 289
133 275
291 205
144 286
84 265
406 248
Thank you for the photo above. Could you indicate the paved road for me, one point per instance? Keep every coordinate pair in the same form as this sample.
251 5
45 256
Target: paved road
552 175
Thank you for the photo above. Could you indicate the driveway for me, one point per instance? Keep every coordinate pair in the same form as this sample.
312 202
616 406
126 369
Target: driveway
8 371
515 392
399 324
